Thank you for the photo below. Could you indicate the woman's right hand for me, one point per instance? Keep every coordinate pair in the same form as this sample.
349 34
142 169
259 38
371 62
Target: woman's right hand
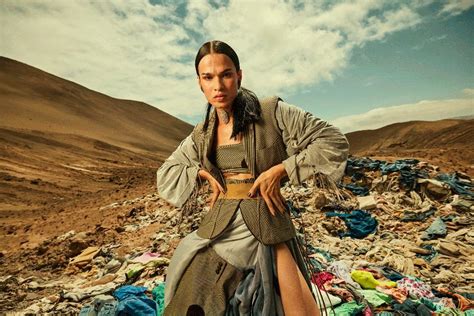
215 185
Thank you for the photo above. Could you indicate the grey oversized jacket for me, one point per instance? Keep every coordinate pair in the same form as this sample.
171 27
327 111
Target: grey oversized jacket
313 146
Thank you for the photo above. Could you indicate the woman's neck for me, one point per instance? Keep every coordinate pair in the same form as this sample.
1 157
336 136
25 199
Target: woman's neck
224 116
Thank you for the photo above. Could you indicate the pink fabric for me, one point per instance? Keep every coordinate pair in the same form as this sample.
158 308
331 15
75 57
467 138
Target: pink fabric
328 282
146 257
415 288
367 312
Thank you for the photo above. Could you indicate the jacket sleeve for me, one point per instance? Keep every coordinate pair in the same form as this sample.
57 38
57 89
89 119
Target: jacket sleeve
313 145
177 176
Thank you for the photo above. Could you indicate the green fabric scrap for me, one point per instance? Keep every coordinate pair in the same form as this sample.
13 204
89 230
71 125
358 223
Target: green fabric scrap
158 295
347 309
469 312
431 305
451 312
134 272
375 297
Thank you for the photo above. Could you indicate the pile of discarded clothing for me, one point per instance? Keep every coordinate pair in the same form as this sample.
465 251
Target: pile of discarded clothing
402 244
396 239
134 286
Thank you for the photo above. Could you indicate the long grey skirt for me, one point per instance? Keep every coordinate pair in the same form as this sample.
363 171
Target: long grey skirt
256 290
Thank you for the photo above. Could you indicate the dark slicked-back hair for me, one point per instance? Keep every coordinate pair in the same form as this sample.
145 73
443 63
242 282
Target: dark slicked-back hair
246 108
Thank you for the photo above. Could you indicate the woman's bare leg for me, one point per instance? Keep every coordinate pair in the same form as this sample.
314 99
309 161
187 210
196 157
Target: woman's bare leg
310 303
295 294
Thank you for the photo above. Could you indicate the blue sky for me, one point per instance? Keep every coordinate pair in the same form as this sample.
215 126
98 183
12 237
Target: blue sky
358 64
433 60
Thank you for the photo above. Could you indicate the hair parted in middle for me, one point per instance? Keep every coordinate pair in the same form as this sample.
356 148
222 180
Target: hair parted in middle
246 107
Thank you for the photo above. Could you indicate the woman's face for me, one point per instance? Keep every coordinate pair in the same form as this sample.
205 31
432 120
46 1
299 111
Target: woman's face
219 80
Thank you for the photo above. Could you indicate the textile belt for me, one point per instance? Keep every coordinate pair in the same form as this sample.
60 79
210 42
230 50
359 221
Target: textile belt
238 191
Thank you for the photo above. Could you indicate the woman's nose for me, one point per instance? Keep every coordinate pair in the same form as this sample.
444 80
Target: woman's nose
218 84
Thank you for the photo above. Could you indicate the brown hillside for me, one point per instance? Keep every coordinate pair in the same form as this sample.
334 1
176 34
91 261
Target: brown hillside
448 143
32 99
66 150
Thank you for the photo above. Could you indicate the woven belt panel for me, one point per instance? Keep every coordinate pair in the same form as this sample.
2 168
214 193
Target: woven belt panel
236 191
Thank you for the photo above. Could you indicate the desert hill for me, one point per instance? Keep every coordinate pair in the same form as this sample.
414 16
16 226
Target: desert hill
65 149
36 100
447 143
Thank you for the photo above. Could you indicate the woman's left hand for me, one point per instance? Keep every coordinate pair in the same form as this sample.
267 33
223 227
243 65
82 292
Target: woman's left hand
268 183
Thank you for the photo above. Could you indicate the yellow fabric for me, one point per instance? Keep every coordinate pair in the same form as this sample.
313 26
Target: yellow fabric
367 280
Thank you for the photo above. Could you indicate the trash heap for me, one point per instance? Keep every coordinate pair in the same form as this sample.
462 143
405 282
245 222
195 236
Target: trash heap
394 239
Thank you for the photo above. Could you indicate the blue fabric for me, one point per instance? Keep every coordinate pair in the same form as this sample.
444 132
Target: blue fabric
108 309
88 310
458 186
358 164
99 307
431 256
410 216
402 164
359 223
391 274
295 212
133 301
357 176
410 307
437 229
357 190
310 249
405 167
408 175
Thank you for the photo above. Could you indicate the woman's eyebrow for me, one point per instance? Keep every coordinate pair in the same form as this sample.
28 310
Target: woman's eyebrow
208 73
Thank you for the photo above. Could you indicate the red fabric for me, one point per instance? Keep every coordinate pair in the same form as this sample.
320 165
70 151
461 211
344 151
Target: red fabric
321 278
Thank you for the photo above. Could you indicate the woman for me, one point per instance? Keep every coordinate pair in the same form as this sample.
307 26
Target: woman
244 257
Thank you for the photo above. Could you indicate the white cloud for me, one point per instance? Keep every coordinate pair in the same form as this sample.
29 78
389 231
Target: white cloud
426 110
455 7
468 91
136 50
360 23
126 49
